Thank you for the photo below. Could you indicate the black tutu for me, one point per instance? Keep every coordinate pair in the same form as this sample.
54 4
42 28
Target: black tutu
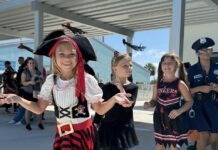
117 137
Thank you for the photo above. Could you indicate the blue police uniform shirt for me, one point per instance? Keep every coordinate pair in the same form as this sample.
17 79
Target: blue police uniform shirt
197 77
205 109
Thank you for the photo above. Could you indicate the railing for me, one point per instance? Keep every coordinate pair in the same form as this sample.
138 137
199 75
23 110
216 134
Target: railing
1 81
144 92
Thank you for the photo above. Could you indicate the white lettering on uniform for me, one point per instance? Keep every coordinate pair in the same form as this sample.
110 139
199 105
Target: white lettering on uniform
198 76
215 72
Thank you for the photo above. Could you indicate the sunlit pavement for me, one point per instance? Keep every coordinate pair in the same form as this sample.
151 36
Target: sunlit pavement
17 137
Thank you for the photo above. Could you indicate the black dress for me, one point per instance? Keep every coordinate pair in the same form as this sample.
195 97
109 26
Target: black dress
169 131
116 130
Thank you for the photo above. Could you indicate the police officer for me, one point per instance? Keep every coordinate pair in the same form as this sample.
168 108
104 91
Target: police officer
203 79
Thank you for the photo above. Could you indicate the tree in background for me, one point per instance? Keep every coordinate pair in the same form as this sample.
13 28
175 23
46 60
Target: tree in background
152 69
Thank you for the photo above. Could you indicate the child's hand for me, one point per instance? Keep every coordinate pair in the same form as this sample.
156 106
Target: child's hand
8 98
147 105
214 87
173 114
121 98
32 82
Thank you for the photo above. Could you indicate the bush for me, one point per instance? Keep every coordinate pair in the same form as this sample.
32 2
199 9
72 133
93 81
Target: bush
153 81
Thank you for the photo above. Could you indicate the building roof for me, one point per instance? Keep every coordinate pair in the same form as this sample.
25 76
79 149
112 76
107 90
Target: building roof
98 17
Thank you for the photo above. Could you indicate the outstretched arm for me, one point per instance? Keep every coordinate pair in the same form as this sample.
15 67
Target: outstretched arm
36 107
121 98
153 101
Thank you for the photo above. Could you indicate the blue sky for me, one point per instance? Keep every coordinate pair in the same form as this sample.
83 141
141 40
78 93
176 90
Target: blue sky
156 42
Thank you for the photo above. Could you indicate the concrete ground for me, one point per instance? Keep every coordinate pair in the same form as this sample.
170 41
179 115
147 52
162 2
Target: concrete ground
17 137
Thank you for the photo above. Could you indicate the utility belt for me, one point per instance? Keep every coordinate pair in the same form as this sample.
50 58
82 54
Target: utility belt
67 128
212 96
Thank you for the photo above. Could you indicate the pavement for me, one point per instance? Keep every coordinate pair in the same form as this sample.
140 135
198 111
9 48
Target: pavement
17 137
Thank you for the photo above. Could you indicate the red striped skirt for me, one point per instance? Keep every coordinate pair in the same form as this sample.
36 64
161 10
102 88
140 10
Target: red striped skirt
81 139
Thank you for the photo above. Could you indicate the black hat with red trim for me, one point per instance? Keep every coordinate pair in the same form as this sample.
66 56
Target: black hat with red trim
83 43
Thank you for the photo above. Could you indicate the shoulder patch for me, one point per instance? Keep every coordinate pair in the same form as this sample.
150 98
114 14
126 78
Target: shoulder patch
215 72
198 76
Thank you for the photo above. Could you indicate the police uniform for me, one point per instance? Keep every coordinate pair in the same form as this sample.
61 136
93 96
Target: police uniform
205 104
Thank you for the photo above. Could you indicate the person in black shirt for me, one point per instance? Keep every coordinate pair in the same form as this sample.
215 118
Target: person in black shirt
19 117
9 82
116 128
19 72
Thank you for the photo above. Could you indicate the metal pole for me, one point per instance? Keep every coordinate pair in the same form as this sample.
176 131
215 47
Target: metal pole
38 35
177 28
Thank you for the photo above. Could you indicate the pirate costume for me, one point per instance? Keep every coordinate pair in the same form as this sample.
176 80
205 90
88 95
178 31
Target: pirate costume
74 125
168 131
205 104
72 98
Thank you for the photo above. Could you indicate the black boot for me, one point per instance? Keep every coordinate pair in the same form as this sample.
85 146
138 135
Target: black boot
41 126
28 127
7 111
192 147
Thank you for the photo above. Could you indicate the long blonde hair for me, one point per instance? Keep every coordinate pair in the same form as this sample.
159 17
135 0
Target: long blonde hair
78 70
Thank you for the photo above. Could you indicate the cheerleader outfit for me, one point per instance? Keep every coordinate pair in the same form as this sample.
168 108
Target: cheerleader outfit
74 130
116 130
168 131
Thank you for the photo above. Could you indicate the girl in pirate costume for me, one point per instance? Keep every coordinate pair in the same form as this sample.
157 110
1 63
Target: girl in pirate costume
72 92
169 127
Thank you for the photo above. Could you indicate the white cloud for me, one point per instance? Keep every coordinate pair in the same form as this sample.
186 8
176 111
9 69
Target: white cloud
136 54
148 56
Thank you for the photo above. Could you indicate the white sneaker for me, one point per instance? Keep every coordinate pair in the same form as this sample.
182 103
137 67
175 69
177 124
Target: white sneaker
17 123
11 121
178 146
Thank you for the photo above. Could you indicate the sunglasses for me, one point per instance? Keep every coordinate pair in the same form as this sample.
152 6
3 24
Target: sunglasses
206 50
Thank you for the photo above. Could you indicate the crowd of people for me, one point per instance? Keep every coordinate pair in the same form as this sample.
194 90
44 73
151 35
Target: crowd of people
23 82
185 100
